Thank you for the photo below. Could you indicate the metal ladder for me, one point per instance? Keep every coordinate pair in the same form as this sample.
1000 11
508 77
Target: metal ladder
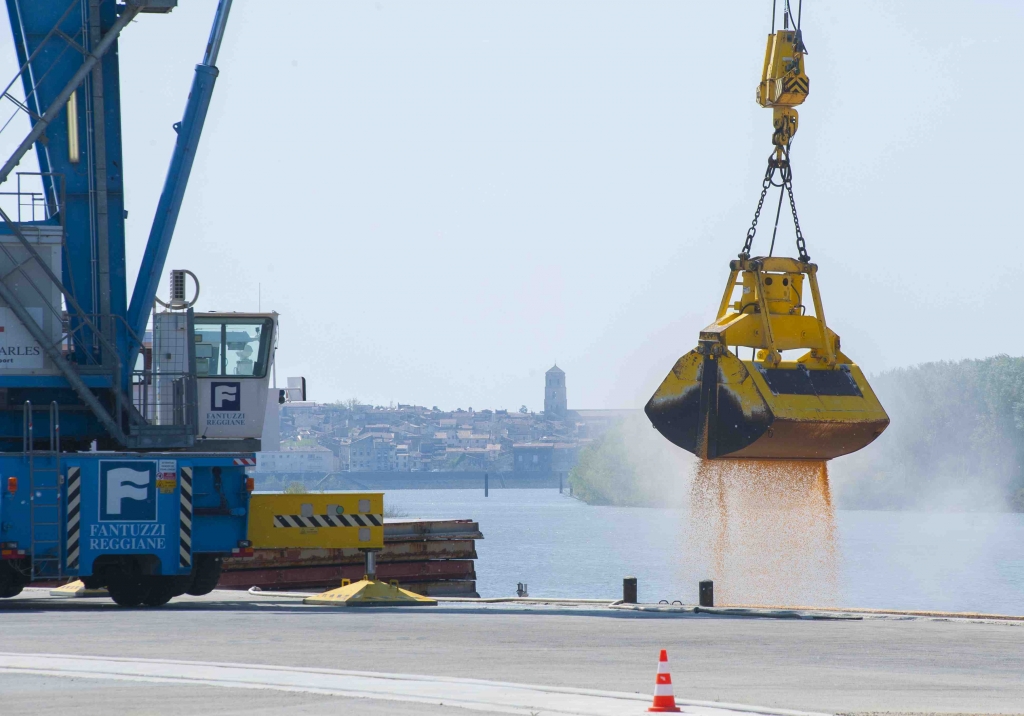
45 482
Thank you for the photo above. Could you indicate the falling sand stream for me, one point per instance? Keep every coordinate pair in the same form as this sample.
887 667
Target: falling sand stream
766 531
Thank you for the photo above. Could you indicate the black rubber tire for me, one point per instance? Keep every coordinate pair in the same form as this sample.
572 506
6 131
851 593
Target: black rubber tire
127 594
178 585
157 595
207 574
12 581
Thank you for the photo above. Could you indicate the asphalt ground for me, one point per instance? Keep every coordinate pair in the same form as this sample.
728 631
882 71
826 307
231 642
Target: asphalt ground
872 665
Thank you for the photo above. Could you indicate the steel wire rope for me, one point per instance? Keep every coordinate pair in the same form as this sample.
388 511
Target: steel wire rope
778 213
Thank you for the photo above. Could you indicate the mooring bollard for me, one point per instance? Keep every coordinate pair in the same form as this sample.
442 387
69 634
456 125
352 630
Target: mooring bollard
485 484
707 593
629 590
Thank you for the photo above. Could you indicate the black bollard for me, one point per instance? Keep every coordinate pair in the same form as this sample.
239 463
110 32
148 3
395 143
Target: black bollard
485 484
707 593
629 590
559 483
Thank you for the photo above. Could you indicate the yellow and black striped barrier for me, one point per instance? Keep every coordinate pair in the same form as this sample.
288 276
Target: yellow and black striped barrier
328 520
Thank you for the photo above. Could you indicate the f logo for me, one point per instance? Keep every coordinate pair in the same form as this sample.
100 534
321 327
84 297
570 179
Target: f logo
127 491
225 396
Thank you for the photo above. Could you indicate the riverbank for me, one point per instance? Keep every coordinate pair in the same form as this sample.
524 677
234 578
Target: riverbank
462 480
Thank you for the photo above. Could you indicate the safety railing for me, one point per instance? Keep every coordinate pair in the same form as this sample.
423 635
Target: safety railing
165 398
29 205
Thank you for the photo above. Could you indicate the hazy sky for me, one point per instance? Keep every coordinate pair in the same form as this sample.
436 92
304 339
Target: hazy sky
442 198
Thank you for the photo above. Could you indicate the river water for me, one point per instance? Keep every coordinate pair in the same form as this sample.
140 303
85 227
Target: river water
561 547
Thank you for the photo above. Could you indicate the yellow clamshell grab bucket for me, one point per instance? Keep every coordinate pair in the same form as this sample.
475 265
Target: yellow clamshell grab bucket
714 404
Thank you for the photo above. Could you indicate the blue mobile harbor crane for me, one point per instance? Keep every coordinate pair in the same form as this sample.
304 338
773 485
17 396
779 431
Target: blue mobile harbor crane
125 431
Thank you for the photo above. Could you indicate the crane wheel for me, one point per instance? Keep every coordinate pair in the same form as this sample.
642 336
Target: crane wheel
158 595
206 574
145 590
12 580
127 593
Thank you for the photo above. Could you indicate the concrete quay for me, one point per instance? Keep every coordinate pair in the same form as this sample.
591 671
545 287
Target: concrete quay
235 652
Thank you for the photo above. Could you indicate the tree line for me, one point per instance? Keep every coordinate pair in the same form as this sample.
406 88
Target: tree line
956 442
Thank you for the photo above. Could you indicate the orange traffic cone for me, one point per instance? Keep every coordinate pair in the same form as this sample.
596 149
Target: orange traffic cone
664 699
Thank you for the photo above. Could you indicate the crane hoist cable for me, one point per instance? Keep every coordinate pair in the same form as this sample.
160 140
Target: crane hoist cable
783 86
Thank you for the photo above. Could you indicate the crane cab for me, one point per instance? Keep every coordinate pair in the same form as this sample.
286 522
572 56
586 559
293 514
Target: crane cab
234 359
210 374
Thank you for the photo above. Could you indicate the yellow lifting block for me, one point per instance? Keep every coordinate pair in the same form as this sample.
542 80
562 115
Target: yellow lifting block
783 80
328 520
370 593
784 84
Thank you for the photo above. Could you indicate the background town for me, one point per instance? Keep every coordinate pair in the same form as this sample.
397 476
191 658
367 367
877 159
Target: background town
313 440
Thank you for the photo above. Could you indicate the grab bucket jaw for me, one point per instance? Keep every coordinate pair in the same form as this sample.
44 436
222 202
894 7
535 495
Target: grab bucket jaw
718 406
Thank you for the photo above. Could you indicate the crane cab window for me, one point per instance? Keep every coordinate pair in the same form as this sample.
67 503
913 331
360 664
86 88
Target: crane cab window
228 347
